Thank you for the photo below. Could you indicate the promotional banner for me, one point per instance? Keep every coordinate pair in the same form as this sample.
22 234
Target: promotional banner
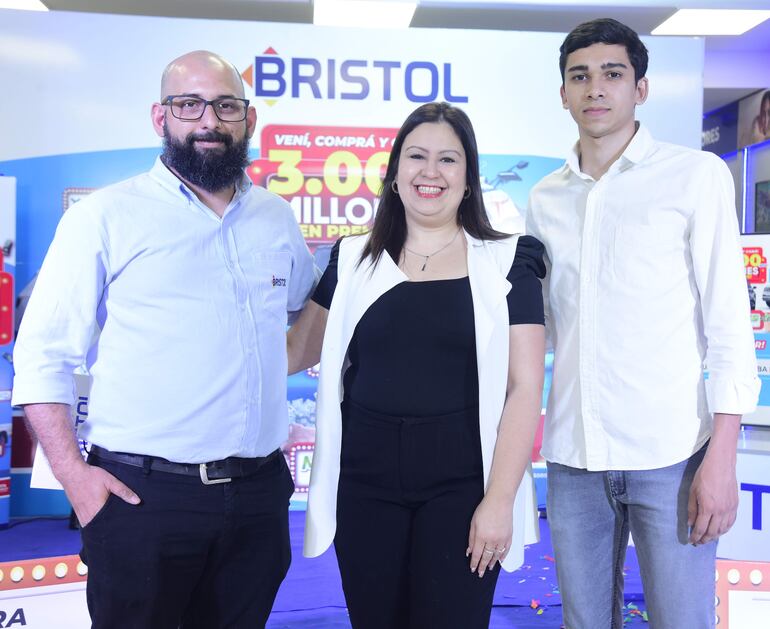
762 207
7 299
44 593
756 248
720 130
329 103
739 124
742 594
754 119
749 537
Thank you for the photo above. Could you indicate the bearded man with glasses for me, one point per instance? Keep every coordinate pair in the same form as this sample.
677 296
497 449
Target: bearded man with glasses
183 501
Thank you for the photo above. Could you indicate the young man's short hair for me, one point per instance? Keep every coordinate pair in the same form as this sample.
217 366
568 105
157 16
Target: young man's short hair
605 31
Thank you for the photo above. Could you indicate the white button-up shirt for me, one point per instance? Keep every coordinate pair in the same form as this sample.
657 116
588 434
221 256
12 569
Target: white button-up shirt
645 284
190 364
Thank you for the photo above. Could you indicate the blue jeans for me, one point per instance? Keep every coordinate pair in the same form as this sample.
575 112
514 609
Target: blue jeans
590 515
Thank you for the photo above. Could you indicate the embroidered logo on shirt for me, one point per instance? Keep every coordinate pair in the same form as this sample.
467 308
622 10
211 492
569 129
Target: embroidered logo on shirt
279 281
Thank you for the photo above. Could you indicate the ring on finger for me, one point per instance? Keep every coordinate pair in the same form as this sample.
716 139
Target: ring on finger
489 550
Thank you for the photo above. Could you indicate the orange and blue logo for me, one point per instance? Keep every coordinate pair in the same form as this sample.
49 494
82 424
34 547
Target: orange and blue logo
273 77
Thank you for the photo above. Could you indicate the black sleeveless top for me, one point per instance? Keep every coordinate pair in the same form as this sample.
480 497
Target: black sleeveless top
413 353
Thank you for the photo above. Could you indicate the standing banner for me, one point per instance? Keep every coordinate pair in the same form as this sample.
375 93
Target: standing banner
7 299
756 248
749 537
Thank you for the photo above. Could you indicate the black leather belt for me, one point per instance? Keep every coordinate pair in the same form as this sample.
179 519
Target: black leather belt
212 473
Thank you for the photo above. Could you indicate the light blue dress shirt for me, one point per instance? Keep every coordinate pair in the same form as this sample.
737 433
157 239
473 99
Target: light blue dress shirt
190 364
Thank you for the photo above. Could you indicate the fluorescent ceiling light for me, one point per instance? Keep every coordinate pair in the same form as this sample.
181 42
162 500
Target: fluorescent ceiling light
23 5
363 13
711 22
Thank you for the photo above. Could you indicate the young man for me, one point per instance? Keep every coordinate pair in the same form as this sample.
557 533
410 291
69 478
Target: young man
645 283
183 504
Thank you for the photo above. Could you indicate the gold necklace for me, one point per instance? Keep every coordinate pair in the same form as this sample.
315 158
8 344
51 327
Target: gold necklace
430 255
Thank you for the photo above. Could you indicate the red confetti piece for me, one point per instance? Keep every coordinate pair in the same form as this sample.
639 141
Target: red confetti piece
534 603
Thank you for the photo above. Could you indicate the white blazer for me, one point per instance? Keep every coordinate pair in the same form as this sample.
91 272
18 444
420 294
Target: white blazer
358 287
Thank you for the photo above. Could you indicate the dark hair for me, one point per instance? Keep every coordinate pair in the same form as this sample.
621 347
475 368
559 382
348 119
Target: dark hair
605 31
389 230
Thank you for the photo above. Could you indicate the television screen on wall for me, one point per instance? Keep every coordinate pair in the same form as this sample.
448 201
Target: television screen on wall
762 208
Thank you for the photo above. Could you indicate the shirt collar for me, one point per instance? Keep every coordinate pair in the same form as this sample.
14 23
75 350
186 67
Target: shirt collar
638 148
166 178
573 159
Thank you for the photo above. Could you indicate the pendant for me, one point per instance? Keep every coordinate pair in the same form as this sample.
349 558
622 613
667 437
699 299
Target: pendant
424 264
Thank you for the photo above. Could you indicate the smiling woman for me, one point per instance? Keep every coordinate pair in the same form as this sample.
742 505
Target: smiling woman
431 177
421 465
435 150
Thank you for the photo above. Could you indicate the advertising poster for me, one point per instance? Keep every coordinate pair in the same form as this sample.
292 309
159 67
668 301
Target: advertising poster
329 102
756 248
44 593
743 573
7 299
749 537
754 119
720 130
742 594
762 207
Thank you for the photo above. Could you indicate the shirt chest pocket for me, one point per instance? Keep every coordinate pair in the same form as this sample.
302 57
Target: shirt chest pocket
272 271
645 253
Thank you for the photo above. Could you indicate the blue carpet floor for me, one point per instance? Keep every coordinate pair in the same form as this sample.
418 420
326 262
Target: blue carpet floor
311 596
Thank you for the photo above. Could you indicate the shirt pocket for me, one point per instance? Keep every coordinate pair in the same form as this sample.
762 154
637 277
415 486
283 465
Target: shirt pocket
273 272
647 253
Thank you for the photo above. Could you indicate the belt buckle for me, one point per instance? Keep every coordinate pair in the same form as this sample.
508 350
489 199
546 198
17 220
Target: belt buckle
210 481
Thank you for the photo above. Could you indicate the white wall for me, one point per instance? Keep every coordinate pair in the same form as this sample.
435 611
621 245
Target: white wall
83 82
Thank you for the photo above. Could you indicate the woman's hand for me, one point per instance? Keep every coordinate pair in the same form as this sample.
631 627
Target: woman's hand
489 539
492 525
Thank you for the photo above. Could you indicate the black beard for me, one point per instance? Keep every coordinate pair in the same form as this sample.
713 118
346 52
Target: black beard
211 170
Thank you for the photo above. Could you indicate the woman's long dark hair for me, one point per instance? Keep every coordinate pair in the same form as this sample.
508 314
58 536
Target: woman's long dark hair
389 230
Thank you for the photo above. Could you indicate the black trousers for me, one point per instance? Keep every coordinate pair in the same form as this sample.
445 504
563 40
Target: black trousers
407 492
190 555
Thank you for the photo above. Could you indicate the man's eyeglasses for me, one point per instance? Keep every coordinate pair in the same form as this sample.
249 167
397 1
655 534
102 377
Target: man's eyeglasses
191 108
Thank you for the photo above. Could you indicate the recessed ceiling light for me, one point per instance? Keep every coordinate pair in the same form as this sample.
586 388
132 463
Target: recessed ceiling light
363 13
711 22
23 5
